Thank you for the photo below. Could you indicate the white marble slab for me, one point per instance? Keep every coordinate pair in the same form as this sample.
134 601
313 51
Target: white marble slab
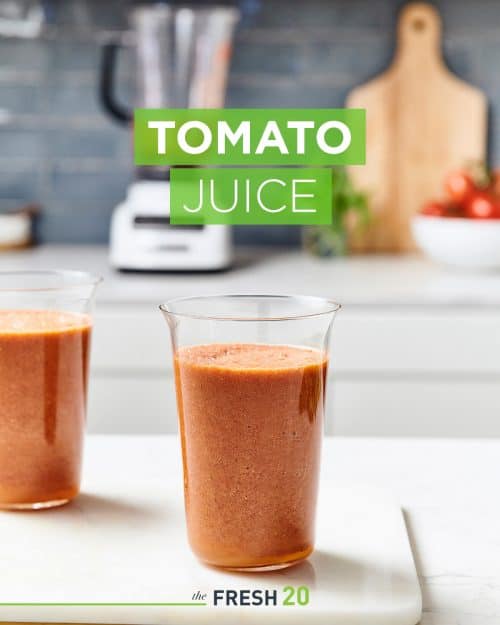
123 541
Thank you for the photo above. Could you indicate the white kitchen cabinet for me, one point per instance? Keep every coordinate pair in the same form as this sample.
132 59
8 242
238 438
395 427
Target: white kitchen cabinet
130 339
393 373
413 406
132 404
415 349
410 341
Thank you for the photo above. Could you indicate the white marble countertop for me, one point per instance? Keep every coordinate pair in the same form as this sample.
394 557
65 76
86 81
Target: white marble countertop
447 489
366 281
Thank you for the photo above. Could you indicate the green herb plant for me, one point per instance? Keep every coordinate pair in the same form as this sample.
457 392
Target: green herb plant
348 204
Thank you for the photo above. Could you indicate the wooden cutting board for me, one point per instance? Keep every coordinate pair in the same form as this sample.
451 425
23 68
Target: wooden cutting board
422 121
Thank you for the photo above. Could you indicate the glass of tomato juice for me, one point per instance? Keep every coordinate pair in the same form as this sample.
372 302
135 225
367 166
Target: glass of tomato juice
251 375
45 331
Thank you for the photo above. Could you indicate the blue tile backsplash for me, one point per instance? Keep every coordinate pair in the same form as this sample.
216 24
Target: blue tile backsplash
57 147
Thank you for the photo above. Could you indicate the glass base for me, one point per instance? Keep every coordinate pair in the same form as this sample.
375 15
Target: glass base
264 568
287 562
39 505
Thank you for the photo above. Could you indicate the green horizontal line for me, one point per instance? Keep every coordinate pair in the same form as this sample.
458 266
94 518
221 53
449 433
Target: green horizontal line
102 604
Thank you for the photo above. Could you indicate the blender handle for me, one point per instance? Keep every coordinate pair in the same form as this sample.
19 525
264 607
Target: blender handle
106 83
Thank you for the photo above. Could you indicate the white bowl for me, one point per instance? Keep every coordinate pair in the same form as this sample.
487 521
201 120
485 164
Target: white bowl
473 243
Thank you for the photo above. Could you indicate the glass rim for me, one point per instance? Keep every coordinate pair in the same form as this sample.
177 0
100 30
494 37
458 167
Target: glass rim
329 307
76 279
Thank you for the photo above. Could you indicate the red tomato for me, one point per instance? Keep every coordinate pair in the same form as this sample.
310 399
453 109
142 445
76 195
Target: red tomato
482 205
459 186
434 209
455 210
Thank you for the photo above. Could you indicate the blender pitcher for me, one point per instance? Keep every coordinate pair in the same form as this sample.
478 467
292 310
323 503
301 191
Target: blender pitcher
181 61
182 58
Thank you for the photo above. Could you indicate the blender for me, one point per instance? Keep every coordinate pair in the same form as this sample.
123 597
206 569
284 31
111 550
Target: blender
182 58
